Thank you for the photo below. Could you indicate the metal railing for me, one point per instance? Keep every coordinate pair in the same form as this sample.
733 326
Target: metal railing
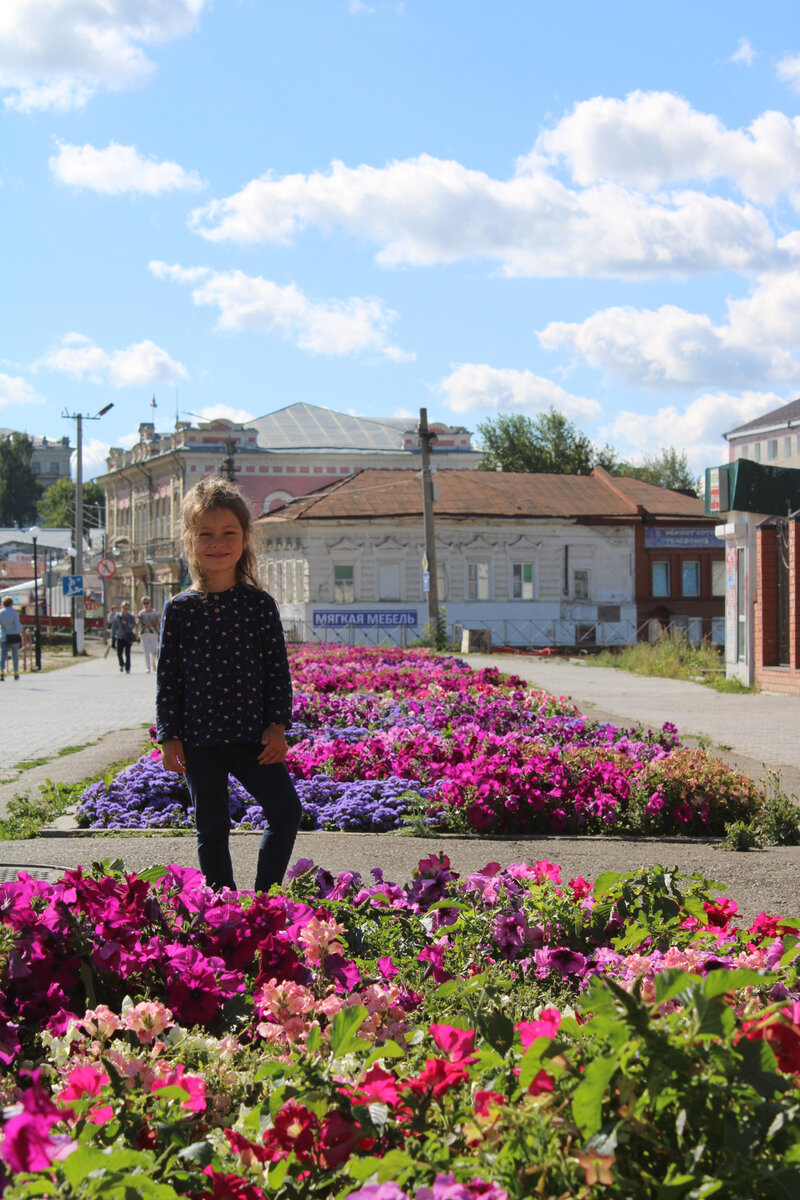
533 635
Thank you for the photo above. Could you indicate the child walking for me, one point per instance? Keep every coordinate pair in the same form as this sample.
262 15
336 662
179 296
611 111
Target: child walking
224 692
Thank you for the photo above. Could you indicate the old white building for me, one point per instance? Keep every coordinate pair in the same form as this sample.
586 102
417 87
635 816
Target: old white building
537 559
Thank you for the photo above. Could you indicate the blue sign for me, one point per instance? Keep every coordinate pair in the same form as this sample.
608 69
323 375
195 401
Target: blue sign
72 585
675 538
363 618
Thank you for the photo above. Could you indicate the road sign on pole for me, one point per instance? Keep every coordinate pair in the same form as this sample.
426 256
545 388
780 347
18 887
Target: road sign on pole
72 585
106 568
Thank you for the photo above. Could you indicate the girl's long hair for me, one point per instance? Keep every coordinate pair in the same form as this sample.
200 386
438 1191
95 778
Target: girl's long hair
216 492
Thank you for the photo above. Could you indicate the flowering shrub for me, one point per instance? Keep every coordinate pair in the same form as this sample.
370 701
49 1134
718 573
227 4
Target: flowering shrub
384 737
499 1035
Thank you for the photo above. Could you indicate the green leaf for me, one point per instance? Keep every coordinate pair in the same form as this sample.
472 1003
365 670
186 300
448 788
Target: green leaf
671 984
714 1017
394 1164
531 1063
152 874
389 1049
344 1028
199 1153
587 1102
314 1040
605 882
277 1173
716 983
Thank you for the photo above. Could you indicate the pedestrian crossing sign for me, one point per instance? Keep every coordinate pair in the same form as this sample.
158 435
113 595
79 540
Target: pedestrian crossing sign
72 585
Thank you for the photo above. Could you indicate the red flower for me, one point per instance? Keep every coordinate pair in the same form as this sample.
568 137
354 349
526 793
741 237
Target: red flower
781 1032
437 1077
340 1137
547 1026
457 1044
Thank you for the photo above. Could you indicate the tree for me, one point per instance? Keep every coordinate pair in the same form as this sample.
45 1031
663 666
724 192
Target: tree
669 469
548 444
19 489
57 506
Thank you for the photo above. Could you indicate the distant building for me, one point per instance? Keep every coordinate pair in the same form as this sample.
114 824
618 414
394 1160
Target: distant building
273 459
772 439
50 459
559 560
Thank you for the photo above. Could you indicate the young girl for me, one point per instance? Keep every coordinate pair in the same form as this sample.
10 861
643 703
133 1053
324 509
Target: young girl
224 693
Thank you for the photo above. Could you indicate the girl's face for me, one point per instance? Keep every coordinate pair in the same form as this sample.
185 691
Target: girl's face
218 542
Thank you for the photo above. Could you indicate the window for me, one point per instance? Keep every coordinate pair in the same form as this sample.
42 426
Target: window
718 582
580 584
478 581
757 452
691 578
787 447
772 448
343 584
660 578
522 581
389 581
744 451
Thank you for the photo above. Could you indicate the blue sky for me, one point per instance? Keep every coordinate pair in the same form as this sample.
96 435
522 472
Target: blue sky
477 208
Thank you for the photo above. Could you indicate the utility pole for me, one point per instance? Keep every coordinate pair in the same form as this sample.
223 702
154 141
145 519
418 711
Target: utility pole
429 574
78 604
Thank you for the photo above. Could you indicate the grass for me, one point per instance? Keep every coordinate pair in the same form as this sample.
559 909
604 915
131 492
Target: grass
672 657
39 762
26 816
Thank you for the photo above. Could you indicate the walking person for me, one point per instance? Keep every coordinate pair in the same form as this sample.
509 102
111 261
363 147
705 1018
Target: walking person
112 645
10 637
148 623
224 692
123 631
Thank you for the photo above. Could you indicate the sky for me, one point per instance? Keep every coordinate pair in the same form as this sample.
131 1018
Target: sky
477 208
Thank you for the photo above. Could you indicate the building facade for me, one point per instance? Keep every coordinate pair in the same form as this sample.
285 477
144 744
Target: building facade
772 440
274 459
50 459
538 560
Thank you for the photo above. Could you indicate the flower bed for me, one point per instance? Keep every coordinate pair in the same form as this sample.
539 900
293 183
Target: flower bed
505 1034
384 737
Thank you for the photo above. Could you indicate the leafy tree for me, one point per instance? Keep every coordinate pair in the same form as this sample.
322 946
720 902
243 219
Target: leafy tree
57 506
19 488
669 469
547 444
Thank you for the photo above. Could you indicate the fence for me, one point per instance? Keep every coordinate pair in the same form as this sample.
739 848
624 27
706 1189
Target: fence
553 634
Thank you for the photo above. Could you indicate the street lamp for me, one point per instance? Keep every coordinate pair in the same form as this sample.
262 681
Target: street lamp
77 605
71 552
35 533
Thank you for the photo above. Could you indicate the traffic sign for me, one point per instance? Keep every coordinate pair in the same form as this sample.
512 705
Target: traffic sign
72 585
106 568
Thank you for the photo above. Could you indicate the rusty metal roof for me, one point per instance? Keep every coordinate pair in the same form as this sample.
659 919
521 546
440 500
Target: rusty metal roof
380 494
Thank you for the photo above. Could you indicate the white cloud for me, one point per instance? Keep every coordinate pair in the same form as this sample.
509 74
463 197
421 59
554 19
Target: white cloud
744 53
358 6
670 346
653 140
476 386
137 365
426 210
697 428
788 71
336 327
15 390
94 457
118 169
225 412
55 54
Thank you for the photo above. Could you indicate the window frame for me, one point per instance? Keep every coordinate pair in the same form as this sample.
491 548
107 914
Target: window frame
667 567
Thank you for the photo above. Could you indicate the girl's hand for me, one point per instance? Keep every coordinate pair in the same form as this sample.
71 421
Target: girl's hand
275 748
172 756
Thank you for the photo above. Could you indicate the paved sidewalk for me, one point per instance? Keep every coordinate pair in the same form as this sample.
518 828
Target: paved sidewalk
43 713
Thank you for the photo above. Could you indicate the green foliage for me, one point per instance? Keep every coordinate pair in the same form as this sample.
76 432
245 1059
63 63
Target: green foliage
673 656
669 469
19 488
435 637
741 836
548 444
779 818
56 508
704 786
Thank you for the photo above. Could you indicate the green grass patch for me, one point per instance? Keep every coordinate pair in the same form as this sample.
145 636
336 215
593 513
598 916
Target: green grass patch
26 816
673 656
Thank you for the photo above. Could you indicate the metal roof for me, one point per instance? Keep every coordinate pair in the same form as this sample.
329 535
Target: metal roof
309 427
779 416
465 493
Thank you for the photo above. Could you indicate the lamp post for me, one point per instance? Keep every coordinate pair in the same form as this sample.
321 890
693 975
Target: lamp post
77 603
71 554
35 533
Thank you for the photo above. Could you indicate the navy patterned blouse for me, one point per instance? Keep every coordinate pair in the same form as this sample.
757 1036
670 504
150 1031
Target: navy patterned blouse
223 672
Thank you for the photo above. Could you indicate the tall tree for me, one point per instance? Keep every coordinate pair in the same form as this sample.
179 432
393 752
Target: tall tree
19 489
57 506
547 444
669 469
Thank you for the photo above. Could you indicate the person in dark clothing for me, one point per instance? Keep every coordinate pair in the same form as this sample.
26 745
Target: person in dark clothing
223 691
123 631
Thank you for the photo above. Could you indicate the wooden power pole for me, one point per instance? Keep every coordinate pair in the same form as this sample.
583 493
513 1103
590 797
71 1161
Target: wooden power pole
429 575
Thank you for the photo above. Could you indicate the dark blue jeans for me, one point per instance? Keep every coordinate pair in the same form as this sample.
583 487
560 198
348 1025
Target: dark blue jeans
207 770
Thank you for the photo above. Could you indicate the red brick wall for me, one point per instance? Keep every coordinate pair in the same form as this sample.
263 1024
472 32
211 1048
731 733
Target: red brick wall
768 674
705 605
